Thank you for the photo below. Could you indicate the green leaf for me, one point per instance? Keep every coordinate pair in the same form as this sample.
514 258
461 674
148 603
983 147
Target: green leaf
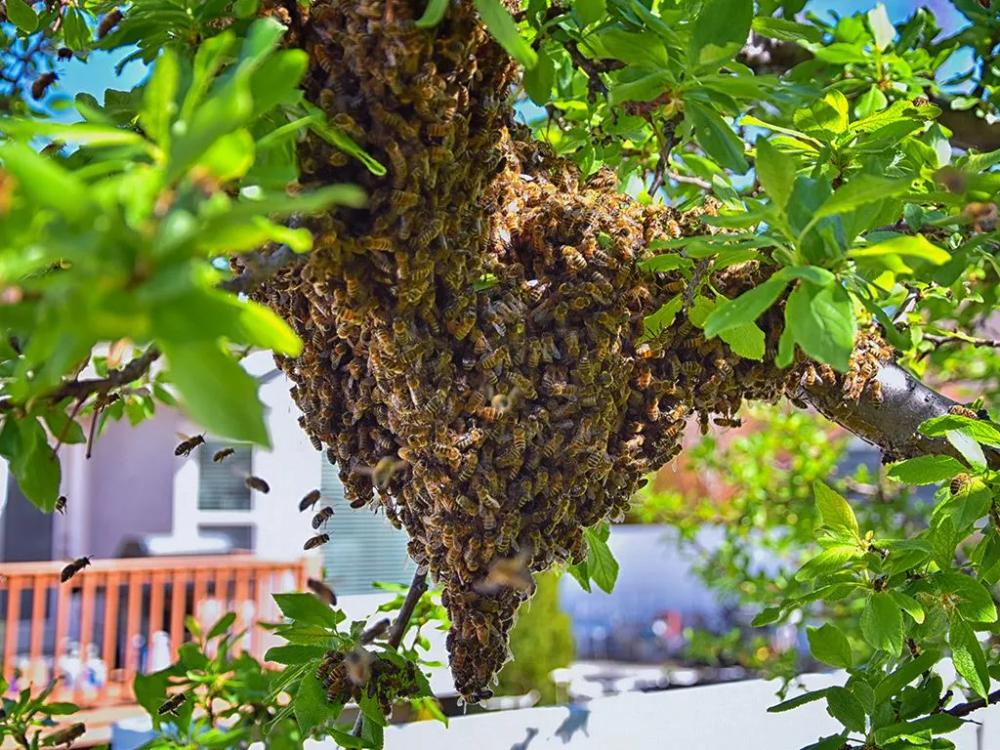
909 605
230 157
246 8
663 317
294 653
827 561
601 564
720 28
218 393
967 656
664 263
746 340
159 103
277 82
221 114
433 14
768 616
916 246
715 136
845 708
776 172
32 461
798 700
22 16
829 645
222 626
939 723
306 608
746 308
835 511
45 181
892 683
981 430
925 469
861 191
822 322
974 601
589 11
882 624
539 79
311 706
504 30
966 444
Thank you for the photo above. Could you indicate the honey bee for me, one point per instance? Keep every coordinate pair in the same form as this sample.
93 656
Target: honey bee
472 438
324 515
317 541
400 169
376 631
403 200
185 447
444 452
42 83
510 572
61 504
519 438
222 455
384 469
728 421
73 568
65 736
381 244
959 483
256 483
962 411
171 704
322 591
358 662
876 391
357 503
108 23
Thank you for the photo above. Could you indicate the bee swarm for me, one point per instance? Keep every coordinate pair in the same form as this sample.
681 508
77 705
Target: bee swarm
494 423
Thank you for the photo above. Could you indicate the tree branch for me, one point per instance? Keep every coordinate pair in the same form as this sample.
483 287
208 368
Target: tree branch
964 709
889 422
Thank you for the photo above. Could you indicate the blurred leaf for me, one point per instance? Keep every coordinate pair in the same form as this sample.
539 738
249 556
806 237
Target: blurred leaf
504 30
21 15
433 14
720 28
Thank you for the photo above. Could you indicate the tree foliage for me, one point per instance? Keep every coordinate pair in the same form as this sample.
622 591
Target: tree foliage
845 158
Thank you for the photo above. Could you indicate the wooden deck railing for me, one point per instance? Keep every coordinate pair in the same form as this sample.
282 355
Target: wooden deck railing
120 617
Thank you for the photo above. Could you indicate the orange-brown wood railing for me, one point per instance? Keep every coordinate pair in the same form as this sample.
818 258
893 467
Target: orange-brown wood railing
117 618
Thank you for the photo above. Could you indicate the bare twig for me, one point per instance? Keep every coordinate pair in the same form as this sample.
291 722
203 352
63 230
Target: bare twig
954 337
115 378
668 139
964 709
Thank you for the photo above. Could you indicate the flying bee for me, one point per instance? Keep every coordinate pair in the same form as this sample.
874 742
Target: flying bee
61 504
376 631
728 421
256 483
171 704
108 23
324 515
317 541
322 591
962 411
65 736
510 572
73 568
42 83
309 500
223 454
359 663
184 448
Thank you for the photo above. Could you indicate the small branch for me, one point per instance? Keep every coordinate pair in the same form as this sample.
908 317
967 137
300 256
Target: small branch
669 140
964 709
687 180
259 268
953 337
81 389
417 588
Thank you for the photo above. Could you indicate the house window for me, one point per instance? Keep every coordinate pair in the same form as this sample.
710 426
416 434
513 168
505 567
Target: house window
221 485
364 547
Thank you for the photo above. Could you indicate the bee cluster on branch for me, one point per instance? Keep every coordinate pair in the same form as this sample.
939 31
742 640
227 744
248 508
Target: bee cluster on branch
475 357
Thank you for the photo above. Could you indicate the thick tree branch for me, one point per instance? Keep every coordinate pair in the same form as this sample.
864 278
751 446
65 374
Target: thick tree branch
888 420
